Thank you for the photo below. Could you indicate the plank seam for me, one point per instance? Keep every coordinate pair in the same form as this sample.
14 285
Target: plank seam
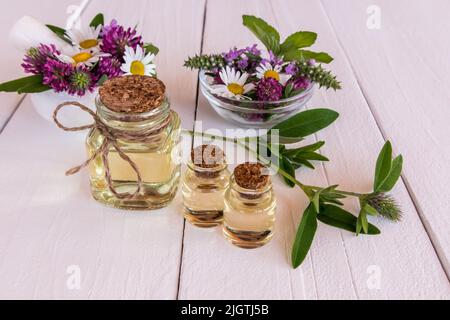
13 112
205 9
383 134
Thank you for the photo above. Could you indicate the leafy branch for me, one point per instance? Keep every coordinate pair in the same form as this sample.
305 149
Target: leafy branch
325 203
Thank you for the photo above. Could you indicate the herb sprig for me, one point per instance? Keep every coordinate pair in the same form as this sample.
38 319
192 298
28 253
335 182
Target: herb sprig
291 50
325 203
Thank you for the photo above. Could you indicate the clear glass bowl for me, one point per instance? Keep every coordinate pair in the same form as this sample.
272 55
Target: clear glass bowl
254 114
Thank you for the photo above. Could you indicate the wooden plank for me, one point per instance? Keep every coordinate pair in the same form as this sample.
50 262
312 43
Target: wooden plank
339 265
51 228
407 92
176 28
53 12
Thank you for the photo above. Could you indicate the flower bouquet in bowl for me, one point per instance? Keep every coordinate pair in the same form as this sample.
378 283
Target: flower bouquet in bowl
71 64
257 88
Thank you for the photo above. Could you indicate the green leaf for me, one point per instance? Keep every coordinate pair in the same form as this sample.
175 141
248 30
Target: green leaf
340 218
383 167
316 200
16 85
298 40
370 210
286 166
305 235
99 20
312 156
305 123
34 88
358 225
60 32
151 48
393 176
289 140
318 56
311 147
302 55
364 223
267 34
302 162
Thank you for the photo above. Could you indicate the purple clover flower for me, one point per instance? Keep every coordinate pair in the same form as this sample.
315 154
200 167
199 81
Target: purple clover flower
36 58
109 66
116 38
81 81
269 89
57 74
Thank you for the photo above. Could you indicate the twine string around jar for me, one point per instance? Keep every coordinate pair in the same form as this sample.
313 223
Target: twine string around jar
111 137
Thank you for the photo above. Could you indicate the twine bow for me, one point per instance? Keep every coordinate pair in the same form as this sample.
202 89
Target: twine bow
111 136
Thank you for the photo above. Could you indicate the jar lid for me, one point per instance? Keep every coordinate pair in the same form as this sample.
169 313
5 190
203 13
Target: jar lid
251 176
208 156
132 94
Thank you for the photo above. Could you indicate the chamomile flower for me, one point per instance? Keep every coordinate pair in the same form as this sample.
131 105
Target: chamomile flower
137 63
78 57
85 38
266 70
234 84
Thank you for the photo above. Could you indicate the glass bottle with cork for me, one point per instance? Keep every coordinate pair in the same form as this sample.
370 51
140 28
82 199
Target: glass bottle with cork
250 205
204 184
140 167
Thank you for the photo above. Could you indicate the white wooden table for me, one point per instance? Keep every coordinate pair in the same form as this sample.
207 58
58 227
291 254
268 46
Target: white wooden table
395 80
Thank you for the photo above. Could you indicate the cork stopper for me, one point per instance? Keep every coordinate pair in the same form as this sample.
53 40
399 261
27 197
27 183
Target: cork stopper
251 176
207 156
132 94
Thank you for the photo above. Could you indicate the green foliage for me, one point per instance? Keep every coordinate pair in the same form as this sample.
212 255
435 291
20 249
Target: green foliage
99 20
387 171
339 218
304 155
31 84
205 62
305 236
151 48
306 123
267 34
383 204
297 40
318 75
60 32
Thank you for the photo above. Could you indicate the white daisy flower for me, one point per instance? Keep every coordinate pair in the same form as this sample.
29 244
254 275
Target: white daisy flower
76 57
137 63
85 38
266 70
234 84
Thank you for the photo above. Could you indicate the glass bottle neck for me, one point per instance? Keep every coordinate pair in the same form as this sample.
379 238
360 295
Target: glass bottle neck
207 172
134 121
249 195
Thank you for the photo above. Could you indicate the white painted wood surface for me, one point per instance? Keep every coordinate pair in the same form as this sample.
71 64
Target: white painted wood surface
48 222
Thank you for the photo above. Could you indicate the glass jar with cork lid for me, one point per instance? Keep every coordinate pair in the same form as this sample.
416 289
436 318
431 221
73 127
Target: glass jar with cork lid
134 147
204 184
250 205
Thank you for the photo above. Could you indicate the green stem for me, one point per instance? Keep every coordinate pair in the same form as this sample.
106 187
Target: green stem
238 141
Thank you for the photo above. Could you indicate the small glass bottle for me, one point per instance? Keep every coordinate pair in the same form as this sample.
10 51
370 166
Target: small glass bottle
135 104
204 184
250 205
